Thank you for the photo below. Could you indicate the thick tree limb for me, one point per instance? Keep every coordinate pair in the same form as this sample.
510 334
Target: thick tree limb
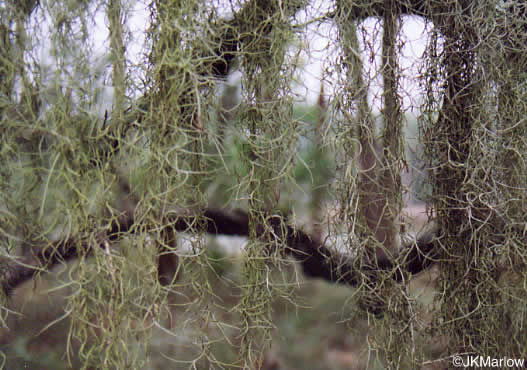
316 259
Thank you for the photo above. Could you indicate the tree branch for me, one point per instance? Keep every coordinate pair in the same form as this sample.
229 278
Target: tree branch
317 260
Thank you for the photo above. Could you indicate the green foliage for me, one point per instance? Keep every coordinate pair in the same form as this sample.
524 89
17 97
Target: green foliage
76 169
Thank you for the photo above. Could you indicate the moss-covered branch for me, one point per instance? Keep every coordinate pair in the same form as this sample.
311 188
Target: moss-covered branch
316 259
